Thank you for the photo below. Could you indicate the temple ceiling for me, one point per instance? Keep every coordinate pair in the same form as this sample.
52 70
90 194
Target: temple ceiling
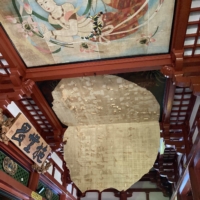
62 31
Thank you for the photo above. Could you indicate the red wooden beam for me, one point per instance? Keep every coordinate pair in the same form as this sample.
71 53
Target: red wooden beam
180 23
192 70
55 165
29 116
186 187
47 111
55 185
186 131
17 155
114 66
33 180
147 195
6 86
130 190
190 62
10 54
14 187
195 182
123 195
194 151
168 101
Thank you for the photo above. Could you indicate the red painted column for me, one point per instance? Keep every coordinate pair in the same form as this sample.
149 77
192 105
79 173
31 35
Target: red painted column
63 197
99 196
147 195
123 195
195 182
33 180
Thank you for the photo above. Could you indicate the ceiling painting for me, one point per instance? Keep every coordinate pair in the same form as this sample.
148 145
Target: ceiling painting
64 31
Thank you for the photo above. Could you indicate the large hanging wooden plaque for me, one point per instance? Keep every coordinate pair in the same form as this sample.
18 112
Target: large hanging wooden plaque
28 140
113 134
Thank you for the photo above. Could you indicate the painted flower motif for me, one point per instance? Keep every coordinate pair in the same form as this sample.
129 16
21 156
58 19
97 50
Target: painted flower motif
146 39
11 19
28 8
87 48
27 27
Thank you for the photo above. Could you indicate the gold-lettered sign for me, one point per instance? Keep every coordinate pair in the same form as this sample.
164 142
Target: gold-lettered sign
27 139
36 196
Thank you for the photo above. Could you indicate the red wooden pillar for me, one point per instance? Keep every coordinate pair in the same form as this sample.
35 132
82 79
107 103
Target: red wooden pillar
33 180
62 197
169 97
195 182
72 189
186 132
64 175
123 195
99 196
179 196
147 195
185 197
4 101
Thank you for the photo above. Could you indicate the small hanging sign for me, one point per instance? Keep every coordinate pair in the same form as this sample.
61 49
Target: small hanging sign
27 139
36 196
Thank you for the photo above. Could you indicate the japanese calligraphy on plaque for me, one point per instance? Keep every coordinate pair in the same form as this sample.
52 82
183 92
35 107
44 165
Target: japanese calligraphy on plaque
27 139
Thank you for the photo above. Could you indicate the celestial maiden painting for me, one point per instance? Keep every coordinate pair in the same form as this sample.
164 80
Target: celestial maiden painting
47 32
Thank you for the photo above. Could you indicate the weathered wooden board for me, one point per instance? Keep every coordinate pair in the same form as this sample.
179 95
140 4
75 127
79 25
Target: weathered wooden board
27 139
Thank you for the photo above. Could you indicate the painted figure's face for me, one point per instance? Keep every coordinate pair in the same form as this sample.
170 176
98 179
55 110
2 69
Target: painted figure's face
47 5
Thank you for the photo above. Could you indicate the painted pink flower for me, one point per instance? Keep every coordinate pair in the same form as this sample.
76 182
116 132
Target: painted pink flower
87 48
27 27
146 39
11 19
28 8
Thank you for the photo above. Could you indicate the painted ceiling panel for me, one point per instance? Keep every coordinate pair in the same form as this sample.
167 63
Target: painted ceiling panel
47 32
